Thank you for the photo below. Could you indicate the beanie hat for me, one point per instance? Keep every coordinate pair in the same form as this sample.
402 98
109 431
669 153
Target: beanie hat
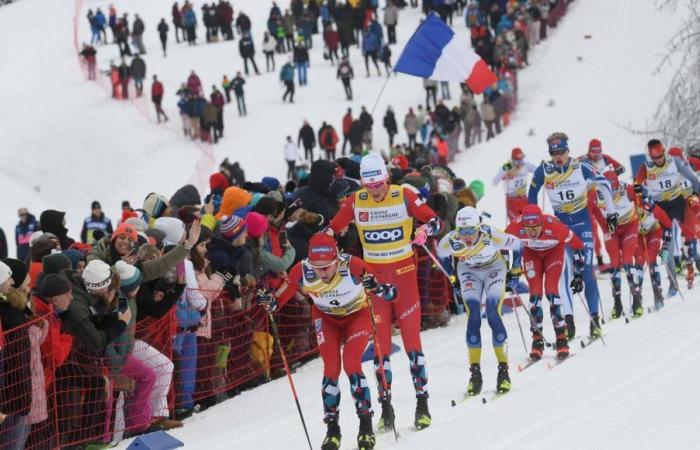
256 224
74 256
271 182
232 227
275 195
126 229
129 276
127 214
173 228
218 182
323 248
95 205
157 236
5 272
97 275
53 285
40 249
55 263
35 237
595 147
155 204
517 154
138 223
373 169
234 198
532 216
477 187
19 270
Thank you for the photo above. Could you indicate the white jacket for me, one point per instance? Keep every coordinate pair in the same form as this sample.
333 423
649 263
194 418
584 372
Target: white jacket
291 151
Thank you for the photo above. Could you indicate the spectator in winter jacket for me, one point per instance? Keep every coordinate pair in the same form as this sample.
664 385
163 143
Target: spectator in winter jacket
124 75
355 137
488 114
390 124
96 221
246 48
209 122
163 35
218 101
189 22
370 50
347 123
366 121
194 84
227 249
157 98
26 226
89 54
237 86
331 38
301 61
138 73
307 137
287 77
54 222
391 18
316 196
269 45
411 124
137 34
345 74
328 140
243 24
291 155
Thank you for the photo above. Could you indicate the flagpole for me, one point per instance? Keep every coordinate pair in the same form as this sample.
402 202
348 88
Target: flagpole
376 102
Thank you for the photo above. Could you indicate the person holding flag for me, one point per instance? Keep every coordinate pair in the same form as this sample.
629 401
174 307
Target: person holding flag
337 284
515 174
567 182
384 215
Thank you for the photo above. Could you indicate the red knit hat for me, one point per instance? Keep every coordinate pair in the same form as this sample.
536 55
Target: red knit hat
322 248
218 181
256 223
532 216
517 154
127 214
595 147
127 229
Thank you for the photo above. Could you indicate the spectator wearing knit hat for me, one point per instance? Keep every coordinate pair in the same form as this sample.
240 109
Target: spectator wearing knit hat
234 202
156 205
218 183
599 160
95 221
40 247
227 248
258 244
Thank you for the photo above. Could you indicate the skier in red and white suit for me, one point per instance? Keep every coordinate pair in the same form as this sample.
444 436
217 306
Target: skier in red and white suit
515 174
336 283
654 230
384 215
544 240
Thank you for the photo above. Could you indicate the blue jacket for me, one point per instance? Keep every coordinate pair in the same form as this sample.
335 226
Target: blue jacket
503 25
23 232
100 19
189 20
287 72
369 43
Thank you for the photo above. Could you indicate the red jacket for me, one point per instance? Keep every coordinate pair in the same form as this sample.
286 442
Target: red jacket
347 123
323 139
331 37
157 89
57 346
400 161
554 235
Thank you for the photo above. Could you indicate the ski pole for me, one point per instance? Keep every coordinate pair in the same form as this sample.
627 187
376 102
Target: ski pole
673 280
380 358
533 325
442 269
514 297
276 335
590 317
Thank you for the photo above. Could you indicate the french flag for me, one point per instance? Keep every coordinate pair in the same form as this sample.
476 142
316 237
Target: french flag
436 52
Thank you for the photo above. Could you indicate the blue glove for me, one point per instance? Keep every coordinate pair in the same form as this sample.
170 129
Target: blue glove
387 291
264 298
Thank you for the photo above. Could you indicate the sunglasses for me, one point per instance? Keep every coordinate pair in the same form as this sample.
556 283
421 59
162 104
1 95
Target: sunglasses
557 152
376 185
467 231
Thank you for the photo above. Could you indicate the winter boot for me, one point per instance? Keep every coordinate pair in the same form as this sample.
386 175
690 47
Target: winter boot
537 347
595 330
617 308
423 419
386 421
562 344
570 326
502 380
475 381
365 437
332 440
637 308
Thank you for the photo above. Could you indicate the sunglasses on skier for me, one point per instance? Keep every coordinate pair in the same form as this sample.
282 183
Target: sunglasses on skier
558 152
467 231
376 185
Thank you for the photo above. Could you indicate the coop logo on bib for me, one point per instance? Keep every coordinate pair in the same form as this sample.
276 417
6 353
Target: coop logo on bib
383 236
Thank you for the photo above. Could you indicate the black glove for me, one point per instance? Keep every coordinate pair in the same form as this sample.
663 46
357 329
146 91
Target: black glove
620 170
612 222
369 282
264 298
577 283
638 189
454 281
507 166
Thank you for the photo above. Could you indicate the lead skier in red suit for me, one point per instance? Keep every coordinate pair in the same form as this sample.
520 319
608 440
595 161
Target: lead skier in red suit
336 283
384 215
544 240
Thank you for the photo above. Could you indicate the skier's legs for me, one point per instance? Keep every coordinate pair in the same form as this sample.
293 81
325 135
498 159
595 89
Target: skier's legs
514 207
494 287
583 231
565 284
472 288
329 337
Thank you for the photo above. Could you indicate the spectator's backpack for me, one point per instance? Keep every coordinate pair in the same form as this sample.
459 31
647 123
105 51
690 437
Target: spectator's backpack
327 138
287 73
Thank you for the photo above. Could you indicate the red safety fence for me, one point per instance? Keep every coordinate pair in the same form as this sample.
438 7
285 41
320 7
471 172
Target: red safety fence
57 392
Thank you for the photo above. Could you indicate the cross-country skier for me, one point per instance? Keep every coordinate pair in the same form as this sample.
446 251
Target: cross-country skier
515 175
384 214
663 176
475 251
336 283
544 239
567 182
654 229
621 243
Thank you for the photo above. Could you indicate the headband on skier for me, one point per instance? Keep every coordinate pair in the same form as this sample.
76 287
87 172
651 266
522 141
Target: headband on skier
322 251
532 216
558 146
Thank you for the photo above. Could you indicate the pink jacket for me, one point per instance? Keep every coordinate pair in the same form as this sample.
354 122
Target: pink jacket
211 288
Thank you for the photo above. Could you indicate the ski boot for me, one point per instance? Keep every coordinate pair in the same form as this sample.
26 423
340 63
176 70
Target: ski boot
595 330
562 344
658 298
502 380
672 292
365 437
423 419
637 308
570 326
475 381
332 440
617 308
386 421
537 347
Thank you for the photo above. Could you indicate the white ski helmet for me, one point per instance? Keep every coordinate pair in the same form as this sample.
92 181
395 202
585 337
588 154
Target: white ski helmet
467 217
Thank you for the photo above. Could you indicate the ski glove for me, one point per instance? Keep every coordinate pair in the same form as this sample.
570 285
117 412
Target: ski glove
454 281
578 262
507 166
369 282
387 291
577 283
512 278
612 222
264 298
430 228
